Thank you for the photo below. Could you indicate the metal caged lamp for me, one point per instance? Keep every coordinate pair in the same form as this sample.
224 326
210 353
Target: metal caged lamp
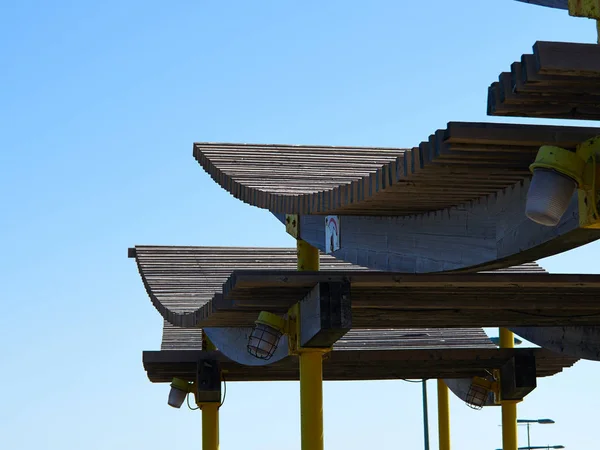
265 336
479 392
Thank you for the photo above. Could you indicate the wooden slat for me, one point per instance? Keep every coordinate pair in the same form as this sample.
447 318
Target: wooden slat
559 80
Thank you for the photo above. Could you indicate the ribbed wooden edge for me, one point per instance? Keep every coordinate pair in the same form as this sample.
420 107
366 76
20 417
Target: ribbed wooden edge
463 162
186 284
559 80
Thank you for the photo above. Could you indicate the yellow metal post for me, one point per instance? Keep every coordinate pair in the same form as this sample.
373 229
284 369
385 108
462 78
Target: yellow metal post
509 409
210 426
443 415
210 412
311 370
311 399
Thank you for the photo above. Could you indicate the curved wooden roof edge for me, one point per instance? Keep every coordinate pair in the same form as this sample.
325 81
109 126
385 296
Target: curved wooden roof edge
463 162
257 258
303 202
190 314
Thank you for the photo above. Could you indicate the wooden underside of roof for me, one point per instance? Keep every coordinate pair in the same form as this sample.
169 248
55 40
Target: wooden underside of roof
463 162
177 338
163 366
559 80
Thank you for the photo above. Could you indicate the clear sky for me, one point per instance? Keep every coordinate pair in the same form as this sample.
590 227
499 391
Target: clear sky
100 103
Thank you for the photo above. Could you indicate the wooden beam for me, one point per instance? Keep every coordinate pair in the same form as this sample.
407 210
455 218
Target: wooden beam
325 314
357 365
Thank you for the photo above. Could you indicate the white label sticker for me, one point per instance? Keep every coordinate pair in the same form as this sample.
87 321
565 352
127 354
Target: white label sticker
332 234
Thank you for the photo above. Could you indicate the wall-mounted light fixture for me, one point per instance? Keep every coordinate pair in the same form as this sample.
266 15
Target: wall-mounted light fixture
179 391
557 174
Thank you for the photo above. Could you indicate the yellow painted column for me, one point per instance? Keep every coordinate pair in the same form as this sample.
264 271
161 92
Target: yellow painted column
210 426
443 415
509 409
311 399
311 370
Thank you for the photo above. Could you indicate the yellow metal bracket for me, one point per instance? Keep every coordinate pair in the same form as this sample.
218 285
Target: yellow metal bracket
585 8
207 344
588 188
564 161
580 166
293 332
292 225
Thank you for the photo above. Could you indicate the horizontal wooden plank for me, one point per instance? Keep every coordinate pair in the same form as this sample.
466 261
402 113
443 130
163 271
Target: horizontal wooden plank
567 59
163 366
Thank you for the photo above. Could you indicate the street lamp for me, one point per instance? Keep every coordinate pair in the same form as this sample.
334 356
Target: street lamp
528 422
539 447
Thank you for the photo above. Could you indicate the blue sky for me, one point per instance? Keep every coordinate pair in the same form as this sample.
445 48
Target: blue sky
99 106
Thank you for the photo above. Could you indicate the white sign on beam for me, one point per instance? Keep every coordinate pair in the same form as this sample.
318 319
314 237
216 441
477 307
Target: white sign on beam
332 234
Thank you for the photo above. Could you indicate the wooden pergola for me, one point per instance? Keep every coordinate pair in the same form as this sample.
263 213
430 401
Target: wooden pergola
431 244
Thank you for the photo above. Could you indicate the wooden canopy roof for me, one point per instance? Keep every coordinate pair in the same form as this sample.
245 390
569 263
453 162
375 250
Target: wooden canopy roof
559 80
463 162
183 279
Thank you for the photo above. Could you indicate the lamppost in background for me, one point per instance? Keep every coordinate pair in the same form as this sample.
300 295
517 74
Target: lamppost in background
539 447
528 422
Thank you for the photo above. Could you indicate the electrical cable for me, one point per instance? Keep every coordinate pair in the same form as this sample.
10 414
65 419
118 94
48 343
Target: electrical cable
187 399
574 316
224 390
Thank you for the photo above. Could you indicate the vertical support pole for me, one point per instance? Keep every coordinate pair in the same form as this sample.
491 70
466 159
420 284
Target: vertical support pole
443 415
425 417
311 370
509 409
210 412
311 399
210 426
